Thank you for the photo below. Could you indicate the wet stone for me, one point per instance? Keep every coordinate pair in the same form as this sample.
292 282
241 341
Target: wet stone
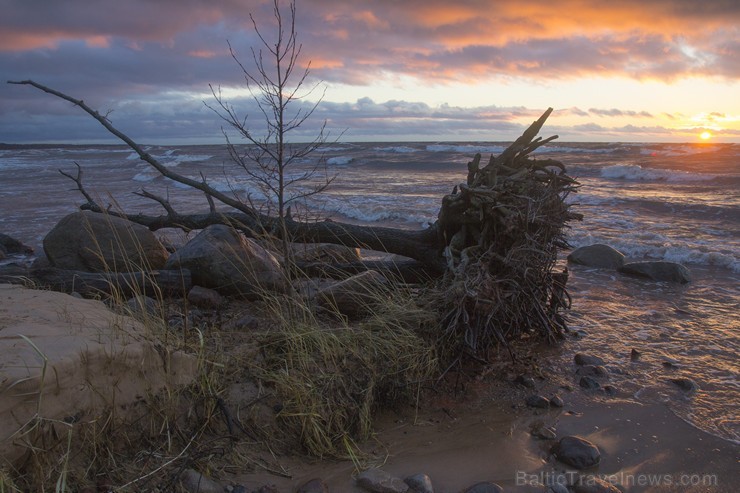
587 359
419 483
538 401
525 381
589 383
556 401
685 384
592 370
635 355
543 433
577 452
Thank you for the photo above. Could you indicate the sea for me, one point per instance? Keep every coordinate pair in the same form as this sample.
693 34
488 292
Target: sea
651 201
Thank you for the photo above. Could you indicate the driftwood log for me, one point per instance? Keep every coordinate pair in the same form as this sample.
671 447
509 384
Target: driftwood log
494 246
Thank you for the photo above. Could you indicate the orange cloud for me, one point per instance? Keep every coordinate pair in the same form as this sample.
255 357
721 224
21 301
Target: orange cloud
204 53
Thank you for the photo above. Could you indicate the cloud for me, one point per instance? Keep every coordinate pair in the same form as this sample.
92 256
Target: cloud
618 112
110 52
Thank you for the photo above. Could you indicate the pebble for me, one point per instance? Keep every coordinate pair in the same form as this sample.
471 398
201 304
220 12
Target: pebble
557 401
592 370
544 433
420 483
587 359
589 383
685 384
538 401
525 381
610 390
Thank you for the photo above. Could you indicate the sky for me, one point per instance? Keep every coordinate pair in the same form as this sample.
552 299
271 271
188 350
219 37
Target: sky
388 70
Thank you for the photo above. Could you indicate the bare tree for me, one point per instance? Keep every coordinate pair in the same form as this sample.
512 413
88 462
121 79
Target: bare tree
278 85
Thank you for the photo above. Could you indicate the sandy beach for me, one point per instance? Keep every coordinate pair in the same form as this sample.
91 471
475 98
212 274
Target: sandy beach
482 433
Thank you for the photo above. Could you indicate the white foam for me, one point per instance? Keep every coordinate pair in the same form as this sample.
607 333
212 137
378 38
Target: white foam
397 149
339 160
466 148
638 173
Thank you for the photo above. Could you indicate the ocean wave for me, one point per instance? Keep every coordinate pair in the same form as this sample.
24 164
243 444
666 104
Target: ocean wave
397 149
635 172
339 160
171 160
466 148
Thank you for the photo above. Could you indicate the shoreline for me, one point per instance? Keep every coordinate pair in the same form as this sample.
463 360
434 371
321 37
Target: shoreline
487 436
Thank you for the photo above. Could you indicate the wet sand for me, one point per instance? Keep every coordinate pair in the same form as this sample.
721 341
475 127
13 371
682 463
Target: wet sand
486 437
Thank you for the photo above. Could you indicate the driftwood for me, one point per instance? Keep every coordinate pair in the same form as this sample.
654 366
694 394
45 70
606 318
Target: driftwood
503 229
494 244
93 284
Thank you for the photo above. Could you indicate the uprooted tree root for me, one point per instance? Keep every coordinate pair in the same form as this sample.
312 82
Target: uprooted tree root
504 228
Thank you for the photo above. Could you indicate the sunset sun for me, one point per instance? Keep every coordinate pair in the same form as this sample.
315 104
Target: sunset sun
705 136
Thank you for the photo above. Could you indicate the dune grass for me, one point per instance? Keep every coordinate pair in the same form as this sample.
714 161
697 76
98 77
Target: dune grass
333 374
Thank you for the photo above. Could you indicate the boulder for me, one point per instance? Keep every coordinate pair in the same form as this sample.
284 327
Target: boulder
597 255
11 245
221 258
354 296
577 452
658 271
92 242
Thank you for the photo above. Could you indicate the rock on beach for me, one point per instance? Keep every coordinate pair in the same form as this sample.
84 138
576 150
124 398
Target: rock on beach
597 255
92 242
221 258
658 271
577 452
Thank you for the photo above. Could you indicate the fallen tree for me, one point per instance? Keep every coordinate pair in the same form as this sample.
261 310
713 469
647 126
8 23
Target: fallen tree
494 245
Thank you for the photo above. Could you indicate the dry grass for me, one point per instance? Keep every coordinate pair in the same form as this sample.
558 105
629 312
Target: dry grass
332 375
329 375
